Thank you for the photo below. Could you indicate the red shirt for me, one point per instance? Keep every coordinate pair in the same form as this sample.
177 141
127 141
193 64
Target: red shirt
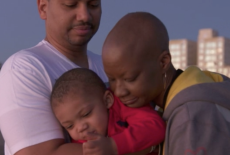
134 129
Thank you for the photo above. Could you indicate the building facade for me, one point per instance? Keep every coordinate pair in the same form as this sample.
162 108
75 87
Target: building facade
210 52
213 52
183 53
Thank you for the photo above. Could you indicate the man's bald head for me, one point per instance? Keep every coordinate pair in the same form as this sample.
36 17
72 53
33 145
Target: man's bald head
137 32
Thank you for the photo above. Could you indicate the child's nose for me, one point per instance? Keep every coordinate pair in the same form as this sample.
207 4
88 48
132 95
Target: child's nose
82 127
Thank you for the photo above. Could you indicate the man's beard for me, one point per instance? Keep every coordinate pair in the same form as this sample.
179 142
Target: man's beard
81 42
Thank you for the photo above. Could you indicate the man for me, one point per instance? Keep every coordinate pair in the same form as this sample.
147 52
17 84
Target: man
196 103
26 119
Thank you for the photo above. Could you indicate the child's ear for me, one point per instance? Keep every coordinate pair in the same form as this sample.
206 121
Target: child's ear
108 99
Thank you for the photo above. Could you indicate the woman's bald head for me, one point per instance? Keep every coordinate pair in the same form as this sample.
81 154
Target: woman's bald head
137 32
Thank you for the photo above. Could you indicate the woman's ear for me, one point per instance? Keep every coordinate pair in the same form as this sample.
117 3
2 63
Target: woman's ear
42 6
165 60
108 99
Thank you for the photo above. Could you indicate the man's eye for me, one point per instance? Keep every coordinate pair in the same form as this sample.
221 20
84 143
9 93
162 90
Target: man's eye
70 5
94 3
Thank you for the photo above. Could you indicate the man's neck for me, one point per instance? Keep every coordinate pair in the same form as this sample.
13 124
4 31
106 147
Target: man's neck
76 54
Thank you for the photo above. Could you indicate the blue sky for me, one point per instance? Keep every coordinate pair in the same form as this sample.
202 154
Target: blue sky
21 26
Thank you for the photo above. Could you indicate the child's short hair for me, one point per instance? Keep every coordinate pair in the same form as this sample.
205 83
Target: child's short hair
76 80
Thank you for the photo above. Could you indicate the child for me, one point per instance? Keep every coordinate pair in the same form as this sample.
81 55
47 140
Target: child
94 116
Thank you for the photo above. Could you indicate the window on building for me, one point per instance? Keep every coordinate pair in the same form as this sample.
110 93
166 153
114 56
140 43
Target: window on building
219 50
212 69
220 70
210 64
220 44
210 51
183 46
210 58
201 45
210 45
201 64
201 51
174 46
201 57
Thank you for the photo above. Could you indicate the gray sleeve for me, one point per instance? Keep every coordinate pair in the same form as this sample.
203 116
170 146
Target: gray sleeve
199 132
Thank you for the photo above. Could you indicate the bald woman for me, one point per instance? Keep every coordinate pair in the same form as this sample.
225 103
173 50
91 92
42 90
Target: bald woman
196 103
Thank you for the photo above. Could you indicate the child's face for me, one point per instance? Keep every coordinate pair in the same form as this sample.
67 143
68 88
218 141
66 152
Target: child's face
81 114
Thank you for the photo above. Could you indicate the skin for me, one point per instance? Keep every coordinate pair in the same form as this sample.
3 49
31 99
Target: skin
81 114
67 31
136 59
70 24
86 118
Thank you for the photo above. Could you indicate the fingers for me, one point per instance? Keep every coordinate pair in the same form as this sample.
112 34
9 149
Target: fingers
92 146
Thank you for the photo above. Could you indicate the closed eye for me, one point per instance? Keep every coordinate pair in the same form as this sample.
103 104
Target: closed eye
130 79
111 80
69 127
94 3
87 114
71 6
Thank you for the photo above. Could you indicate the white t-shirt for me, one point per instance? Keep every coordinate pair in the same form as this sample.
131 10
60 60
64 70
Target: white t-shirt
26 81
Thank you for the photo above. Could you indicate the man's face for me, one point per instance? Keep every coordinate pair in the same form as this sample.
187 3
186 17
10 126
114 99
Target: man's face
73 22
135 80
81 115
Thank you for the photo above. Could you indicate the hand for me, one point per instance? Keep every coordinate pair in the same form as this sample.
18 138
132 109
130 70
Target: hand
99 145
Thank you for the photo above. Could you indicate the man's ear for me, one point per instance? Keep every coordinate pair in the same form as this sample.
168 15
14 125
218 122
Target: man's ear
108 99
42 6
165 60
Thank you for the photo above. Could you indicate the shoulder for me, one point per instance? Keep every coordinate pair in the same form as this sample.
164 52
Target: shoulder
24 60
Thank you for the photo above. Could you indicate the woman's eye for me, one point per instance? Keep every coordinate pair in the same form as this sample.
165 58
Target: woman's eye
111 80
129 79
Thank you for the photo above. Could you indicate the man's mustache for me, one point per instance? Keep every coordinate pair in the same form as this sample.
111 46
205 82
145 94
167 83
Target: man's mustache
83 24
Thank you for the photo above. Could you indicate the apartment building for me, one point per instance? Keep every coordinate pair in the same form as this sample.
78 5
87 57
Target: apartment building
184 53
213 52
210 52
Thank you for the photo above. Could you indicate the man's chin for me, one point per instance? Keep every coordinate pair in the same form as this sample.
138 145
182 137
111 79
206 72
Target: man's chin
80 41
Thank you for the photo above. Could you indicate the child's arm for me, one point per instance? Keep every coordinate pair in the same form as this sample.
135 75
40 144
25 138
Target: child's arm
146 128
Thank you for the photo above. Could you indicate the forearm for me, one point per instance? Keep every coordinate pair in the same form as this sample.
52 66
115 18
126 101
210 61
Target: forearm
52 147
68 149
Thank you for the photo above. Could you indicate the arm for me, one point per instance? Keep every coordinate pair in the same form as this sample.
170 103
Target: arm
197 132
26 119
52 147
146 129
